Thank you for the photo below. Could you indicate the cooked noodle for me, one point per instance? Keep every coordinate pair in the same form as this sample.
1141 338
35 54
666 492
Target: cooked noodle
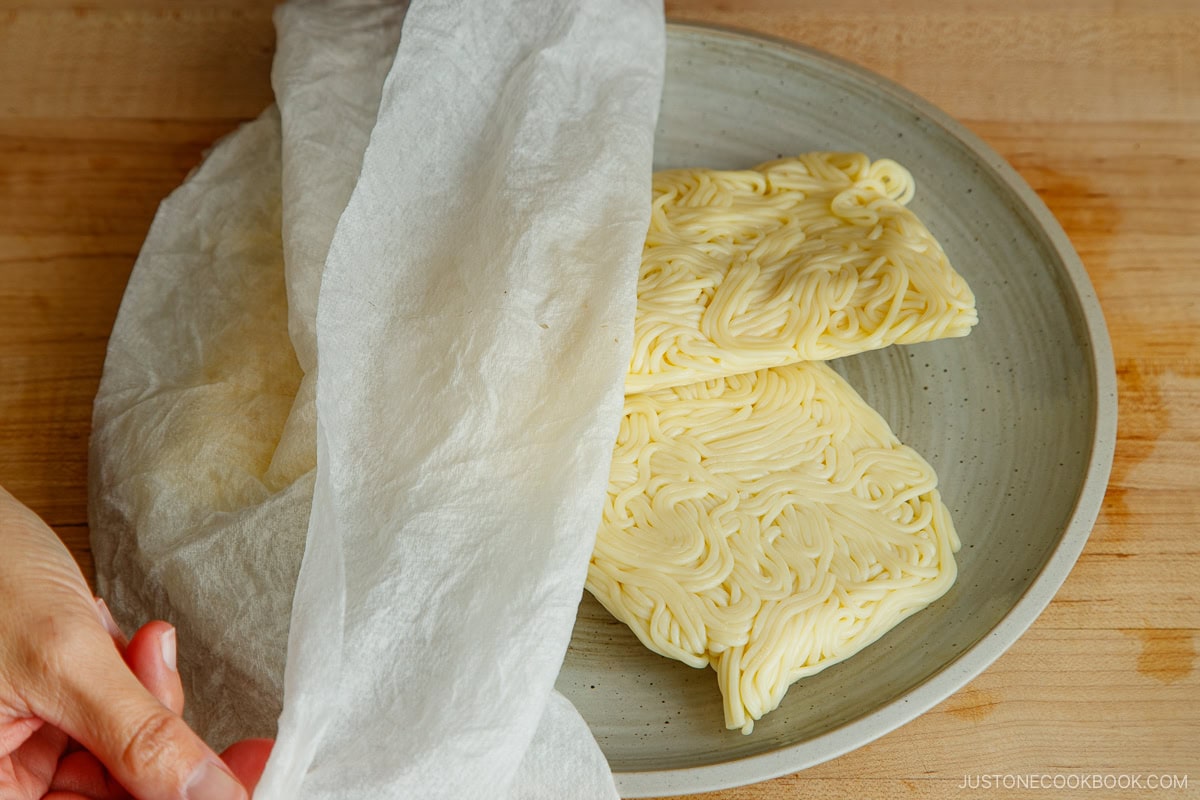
801 259
769 525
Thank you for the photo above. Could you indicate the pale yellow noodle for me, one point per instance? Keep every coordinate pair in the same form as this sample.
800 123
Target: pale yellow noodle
800 259
767 524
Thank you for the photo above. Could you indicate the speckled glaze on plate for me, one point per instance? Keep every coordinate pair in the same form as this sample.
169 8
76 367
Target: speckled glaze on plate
1018 419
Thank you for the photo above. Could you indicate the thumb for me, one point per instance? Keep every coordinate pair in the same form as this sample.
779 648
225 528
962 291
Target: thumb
148 749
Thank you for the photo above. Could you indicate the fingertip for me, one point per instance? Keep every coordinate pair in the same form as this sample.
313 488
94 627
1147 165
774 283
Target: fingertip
248 759
214 781
151 655
154 630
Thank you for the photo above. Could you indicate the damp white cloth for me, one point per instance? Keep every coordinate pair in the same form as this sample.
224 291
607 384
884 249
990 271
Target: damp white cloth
384 328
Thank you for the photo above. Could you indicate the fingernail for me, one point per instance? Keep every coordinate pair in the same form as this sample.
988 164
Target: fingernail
211 782
110 624
169 648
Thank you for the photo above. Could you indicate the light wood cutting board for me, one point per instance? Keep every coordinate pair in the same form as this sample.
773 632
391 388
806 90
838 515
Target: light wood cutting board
105 106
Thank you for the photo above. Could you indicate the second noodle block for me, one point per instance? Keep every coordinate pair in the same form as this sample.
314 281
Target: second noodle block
768 524
802 259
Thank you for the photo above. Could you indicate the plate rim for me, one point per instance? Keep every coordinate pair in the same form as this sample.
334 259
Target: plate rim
1053 573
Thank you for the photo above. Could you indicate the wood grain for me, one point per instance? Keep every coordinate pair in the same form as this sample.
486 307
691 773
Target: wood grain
106 106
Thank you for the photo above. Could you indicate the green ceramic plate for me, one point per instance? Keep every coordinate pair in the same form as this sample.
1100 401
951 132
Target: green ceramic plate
1019 419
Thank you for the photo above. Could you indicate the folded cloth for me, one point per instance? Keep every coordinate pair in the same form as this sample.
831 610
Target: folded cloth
445 313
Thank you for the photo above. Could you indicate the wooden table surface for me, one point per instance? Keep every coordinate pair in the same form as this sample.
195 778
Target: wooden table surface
106 105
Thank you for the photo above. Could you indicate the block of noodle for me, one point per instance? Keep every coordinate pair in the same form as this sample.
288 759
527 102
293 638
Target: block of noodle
767 525
802 259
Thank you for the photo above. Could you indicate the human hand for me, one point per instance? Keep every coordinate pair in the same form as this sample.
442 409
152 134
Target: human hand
83 714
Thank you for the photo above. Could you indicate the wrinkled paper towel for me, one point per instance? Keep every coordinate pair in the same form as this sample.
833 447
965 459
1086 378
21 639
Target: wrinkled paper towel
360 399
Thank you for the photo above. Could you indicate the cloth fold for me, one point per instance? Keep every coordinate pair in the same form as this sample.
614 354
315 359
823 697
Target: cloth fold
387 325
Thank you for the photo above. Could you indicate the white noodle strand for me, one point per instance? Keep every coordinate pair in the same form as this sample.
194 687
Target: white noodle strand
769 525
800 259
